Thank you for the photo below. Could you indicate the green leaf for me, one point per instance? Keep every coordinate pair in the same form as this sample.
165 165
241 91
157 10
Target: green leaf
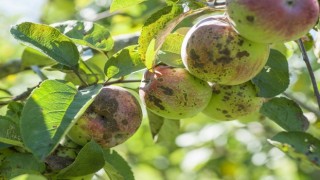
29 177
20 163
47 40
9 132
87 33
49 113
151 54
31 57
298 145
173 43
171 49
116 167
155 25
155 123
274 78
123 63
286 113
97 74
121 4
89 160
164 131
9 125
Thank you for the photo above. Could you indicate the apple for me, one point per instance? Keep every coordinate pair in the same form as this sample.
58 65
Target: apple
232 102
113 117
174 93
214 52
272 21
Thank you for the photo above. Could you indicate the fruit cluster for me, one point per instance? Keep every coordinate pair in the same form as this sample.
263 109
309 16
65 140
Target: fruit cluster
226 52
221 54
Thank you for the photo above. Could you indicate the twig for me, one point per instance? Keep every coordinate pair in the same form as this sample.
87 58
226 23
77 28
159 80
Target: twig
88 67
121 81
6 91
303 105
21 96
38 71
311 74
76 71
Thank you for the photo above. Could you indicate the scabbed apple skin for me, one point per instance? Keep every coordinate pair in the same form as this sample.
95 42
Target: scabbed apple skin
174 93
272 21
214 52
113 117
232 102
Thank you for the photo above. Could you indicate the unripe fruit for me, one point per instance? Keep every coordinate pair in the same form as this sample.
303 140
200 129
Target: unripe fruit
113 117
174 93
270 21
232 102
214 52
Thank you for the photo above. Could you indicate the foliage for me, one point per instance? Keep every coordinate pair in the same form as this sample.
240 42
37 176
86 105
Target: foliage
65 63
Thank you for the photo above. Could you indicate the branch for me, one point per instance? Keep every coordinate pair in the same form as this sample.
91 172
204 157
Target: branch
311 74
303 105
10 67
121 81
21 96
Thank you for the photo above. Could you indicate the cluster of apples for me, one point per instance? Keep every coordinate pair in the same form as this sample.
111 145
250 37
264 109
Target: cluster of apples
221 54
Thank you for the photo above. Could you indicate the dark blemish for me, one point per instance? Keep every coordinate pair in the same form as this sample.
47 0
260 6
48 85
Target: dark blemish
290 2
156 101
229 39
166 90
216 91
240 42
227 116
193 54
225 112
250 19
160 79
242 54
240 107
225 51
226 98
124 122
224 60
210 56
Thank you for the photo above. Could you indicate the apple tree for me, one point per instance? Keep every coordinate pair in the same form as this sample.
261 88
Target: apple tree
192 88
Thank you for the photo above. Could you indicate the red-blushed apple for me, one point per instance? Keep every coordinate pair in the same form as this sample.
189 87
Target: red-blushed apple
214 52
174 93
232 102
272 21
113 117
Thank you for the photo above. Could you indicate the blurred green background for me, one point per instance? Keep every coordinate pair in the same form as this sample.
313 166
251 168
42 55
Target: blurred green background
203 149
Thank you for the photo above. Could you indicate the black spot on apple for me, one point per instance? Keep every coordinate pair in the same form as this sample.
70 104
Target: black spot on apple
250 19
156 101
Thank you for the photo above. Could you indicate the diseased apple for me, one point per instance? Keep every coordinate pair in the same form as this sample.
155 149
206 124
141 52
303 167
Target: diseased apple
232 102
113 117
272 21
173 92
214 52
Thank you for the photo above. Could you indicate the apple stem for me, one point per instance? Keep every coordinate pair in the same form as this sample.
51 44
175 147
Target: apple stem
311 74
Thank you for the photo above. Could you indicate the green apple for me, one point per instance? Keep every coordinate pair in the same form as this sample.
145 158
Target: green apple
214 52
113 117
174 93
272 21
232 102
